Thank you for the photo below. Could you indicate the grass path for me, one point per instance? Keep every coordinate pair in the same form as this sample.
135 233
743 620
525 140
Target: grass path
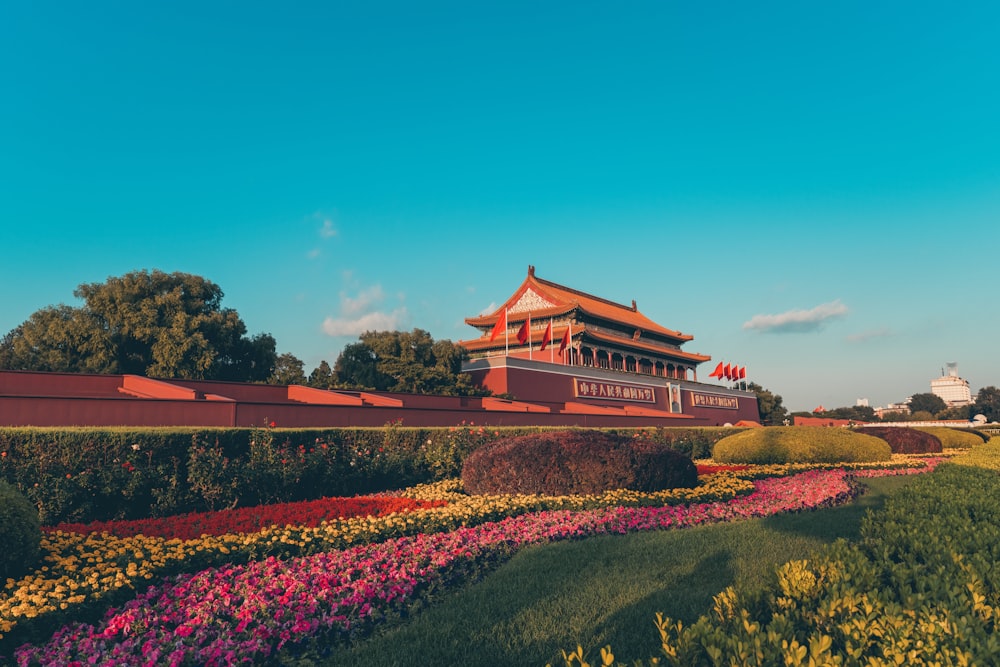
604 590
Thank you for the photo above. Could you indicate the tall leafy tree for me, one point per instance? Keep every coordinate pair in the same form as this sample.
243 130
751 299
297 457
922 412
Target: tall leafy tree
405 361
772 412
288 369
322 376
931 403
988 404
153 323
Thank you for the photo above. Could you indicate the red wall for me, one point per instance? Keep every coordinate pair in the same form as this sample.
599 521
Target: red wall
60 399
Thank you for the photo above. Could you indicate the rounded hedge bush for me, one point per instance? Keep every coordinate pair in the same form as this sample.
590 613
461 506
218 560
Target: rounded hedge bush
800 444
575 462
20 533
953 438
905 440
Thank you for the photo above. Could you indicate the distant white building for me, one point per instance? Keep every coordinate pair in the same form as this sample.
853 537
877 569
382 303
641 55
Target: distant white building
900 408
953 390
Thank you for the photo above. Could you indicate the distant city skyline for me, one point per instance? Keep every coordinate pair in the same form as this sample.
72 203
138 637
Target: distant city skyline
811 191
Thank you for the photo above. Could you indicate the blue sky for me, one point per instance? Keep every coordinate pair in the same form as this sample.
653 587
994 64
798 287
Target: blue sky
812 190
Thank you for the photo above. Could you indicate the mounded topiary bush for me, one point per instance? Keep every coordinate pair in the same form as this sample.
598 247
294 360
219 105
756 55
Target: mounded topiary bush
800 444
904 440
953 438
20 533
575 462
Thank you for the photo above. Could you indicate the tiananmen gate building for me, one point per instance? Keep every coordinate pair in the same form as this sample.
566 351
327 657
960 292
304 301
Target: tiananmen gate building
552 356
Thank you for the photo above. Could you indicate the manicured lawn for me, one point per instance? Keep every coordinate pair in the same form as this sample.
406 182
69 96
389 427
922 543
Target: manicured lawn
604 590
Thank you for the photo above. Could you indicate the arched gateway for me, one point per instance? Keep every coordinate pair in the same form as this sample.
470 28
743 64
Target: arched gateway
551 343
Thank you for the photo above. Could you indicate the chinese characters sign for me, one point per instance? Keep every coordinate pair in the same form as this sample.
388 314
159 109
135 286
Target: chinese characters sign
714 401
615 391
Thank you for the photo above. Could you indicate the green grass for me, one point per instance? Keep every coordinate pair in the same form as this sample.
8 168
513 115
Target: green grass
603 590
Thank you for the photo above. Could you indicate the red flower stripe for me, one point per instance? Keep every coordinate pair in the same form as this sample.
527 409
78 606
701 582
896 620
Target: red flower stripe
308 513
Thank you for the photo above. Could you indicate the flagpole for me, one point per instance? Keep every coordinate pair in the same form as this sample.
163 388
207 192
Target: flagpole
506 334
552 348
529 335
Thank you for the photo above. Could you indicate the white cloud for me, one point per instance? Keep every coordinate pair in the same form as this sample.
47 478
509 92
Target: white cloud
314 253
489 309
884 332
365 300
328 230
375 321
798 321
361 313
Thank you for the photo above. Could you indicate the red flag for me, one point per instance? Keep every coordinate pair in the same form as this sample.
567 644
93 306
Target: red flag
743 372
717 373
524 333
565 342
499 326
546 337
727 372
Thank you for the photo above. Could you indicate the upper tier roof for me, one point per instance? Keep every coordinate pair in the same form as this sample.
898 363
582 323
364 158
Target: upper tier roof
544 298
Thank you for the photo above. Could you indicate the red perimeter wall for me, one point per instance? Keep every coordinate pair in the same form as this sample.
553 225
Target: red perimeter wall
544 396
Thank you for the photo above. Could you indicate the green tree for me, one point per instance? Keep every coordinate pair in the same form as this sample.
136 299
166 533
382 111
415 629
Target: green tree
772 412
931 403
957 412
146 323
405 361
356 368
322 377
858 413
988 404
288 369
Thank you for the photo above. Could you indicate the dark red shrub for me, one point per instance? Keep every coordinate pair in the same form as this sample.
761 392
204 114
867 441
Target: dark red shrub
903 440
575 462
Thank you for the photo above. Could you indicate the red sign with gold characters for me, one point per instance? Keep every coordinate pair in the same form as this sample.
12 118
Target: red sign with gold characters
615 391
714 401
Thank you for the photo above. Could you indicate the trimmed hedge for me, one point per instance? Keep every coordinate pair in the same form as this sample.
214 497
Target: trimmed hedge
954 438
20 533
800 444
575 462
101 474
904 440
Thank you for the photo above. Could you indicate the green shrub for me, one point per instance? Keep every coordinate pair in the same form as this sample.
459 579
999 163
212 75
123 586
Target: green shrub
575 462
20 533
904 440
800 444
953 438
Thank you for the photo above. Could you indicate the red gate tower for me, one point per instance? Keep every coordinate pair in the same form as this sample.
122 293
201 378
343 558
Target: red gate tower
554 344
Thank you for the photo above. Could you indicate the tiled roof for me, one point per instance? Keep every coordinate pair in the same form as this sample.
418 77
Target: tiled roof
483 343
553 299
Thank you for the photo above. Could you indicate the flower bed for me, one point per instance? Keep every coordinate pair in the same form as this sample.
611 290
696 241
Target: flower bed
247 610
310 513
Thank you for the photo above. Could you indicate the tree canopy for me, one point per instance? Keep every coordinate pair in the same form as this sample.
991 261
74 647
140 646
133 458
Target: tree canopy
400 361
169 325
772 412
988 404
931 403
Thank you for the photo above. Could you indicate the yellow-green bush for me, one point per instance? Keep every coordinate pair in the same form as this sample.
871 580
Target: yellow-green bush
800 444
952 438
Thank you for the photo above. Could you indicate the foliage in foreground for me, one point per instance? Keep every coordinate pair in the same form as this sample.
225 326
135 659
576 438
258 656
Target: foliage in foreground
797 444
240 613
919 588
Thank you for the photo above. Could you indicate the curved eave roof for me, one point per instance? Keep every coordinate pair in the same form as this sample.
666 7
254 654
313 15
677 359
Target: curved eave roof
564 300
483 343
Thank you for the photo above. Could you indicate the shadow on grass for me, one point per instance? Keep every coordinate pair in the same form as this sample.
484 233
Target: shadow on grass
605 590
843 521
